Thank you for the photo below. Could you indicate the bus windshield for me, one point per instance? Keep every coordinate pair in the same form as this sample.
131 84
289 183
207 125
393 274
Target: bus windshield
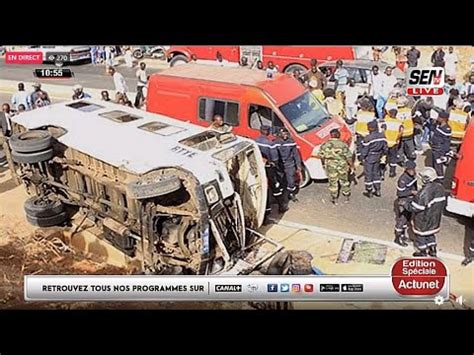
305 112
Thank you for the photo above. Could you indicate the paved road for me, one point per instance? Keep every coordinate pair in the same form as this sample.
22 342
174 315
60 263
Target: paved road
88 75
371 217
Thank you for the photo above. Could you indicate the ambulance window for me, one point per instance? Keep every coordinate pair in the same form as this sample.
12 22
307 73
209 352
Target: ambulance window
276 123
228 110
263 116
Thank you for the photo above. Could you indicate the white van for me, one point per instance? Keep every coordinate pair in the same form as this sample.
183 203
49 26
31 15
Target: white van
179 197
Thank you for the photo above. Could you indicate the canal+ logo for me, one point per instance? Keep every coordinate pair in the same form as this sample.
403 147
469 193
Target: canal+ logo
425 81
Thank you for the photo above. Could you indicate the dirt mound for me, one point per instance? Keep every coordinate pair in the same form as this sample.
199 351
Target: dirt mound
40 254
43 252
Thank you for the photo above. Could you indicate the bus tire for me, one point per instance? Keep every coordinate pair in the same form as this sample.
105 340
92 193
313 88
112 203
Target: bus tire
31 141
156 189
32 158
47 221
42 207
3 157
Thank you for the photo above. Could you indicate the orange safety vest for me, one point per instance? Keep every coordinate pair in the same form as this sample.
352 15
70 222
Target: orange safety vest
457 121
363 117
392 131
404 114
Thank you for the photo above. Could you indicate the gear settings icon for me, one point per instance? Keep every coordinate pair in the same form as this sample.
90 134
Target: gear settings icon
439 300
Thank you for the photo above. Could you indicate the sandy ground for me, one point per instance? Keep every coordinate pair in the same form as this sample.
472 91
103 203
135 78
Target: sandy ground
26 250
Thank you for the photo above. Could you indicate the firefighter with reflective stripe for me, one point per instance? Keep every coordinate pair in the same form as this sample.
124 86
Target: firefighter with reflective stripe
427 208
336 158
458 120
406 191
365 114
290 160
407 144
374 147
440 144
393 128
269 151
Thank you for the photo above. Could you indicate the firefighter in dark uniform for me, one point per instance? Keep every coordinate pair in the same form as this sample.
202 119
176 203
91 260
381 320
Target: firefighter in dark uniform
406 191
427 207
290 160
269 151
440 144
374 147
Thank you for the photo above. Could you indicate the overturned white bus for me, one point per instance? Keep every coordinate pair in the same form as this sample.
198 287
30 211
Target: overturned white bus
179 198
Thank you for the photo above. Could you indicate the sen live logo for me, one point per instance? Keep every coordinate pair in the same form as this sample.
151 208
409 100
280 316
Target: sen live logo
425 81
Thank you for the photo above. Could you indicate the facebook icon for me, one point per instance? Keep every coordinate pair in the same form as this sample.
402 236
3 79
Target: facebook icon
272 287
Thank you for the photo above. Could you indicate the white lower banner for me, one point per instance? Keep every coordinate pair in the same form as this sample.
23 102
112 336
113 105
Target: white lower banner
233 288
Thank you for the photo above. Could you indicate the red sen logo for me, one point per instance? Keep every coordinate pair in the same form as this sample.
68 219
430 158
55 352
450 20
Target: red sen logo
425 81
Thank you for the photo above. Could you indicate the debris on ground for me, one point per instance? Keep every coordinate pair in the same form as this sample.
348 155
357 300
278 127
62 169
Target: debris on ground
362 252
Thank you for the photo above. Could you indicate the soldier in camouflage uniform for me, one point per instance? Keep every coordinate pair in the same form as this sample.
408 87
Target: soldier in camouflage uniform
337 160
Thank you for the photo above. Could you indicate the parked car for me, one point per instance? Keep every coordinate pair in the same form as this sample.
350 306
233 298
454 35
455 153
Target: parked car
60 55
359 70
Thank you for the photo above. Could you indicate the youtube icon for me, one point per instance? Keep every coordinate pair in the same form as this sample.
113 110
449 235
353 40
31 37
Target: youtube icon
308 288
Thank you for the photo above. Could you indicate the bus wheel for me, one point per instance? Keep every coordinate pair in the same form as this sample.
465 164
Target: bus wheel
31 141
178 60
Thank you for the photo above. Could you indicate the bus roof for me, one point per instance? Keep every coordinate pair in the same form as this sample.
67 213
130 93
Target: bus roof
128 138
282 87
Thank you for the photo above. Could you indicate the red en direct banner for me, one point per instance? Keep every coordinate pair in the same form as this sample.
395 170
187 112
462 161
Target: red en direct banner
24 57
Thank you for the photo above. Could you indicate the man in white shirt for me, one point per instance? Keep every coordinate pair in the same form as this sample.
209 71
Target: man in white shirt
119 81
21 97
109 56
388 83
352 94
451 60
141 84
375 89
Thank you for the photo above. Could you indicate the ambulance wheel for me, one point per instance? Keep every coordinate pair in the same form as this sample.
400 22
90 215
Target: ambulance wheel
293 67
178 60
305 177
31 141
